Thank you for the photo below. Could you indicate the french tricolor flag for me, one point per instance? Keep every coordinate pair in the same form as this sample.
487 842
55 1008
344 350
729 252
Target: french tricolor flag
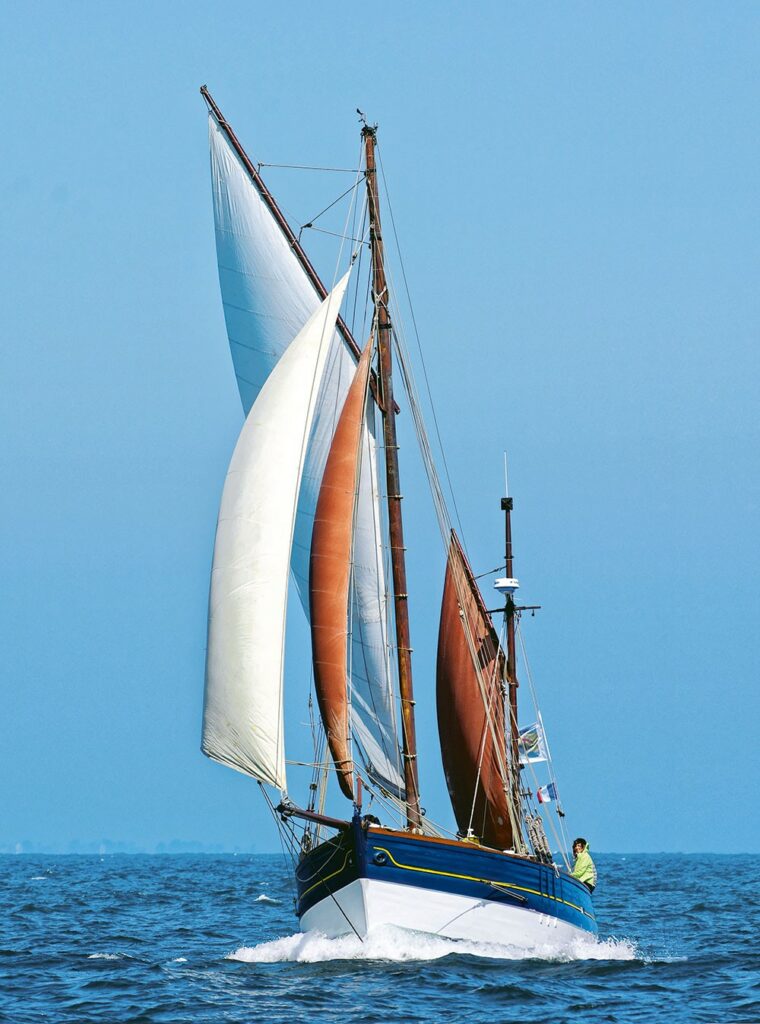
547 793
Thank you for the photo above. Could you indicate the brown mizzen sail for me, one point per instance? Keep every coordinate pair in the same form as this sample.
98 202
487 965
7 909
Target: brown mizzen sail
329 574
471 709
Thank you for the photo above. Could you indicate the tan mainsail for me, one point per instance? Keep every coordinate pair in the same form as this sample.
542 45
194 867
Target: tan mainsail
330 571
471 716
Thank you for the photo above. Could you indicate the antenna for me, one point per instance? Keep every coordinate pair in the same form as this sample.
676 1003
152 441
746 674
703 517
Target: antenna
506 475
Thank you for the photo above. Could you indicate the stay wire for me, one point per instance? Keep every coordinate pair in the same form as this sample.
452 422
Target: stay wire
356 634
308 167
310 223
326 336
419 346
493 691
280 829
440 503
489 572
529 675
332 234
444 523
317 874
532 770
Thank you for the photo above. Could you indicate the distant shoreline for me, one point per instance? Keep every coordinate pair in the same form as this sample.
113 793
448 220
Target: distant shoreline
278 853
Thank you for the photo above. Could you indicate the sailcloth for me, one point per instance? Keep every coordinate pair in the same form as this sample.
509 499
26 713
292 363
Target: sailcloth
330 576
267 298
243 707
471 719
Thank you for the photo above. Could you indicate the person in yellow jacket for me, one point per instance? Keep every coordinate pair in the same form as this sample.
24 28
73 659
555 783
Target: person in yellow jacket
584 868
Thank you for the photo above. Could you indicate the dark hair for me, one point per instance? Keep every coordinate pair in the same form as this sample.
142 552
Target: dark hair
583 843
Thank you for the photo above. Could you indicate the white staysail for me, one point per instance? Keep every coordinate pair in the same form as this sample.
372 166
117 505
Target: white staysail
243 707
267 298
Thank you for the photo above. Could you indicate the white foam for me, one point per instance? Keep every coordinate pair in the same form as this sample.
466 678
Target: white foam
265 899
104 956
180 960
397 944
39 878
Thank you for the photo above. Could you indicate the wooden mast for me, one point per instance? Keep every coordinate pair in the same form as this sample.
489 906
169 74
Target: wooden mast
387 405
512 684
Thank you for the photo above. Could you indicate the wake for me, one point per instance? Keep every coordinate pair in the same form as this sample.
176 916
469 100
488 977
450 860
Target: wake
399 945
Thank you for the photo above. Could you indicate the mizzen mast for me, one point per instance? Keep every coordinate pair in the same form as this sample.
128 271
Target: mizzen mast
510 612
396 528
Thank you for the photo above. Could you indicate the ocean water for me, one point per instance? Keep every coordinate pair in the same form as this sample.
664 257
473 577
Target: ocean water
186 938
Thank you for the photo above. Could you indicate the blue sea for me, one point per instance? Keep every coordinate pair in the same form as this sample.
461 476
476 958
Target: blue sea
179 939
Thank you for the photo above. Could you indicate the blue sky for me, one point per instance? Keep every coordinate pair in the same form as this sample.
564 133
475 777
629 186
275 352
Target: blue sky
575 185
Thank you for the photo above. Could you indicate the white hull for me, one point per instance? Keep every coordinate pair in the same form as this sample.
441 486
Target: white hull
368 904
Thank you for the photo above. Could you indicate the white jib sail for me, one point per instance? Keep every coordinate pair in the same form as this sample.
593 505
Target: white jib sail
267 298
243 706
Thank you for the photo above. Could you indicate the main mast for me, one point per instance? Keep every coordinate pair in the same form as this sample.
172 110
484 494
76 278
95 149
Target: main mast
393 487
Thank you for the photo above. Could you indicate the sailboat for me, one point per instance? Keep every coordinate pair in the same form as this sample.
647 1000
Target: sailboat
313 493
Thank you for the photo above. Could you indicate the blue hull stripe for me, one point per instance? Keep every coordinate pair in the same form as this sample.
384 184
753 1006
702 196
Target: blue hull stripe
457 868
485 881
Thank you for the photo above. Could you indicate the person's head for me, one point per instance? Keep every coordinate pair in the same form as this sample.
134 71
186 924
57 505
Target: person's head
579 845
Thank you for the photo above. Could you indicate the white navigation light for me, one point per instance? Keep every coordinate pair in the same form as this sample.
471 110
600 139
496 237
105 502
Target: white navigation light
506 585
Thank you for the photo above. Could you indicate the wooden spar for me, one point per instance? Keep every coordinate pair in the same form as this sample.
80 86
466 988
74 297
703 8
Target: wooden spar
507 504
276 212
274 209
396 529
288 810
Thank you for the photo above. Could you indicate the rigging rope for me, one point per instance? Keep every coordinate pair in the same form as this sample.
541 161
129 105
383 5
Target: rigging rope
325 340
359 662
288 829
488 689
493 691
534 809
280 833
310 222
444 524
308 167
562 839
419 348
444 521
333 234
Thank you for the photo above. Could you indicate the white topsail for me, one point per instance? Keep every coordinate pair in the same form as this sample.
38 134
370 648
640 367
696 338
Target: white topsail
267 298
243 708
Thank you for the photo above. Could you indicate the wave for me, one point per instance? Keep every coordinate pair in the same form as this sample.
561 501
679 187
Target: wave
399 945
263 898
